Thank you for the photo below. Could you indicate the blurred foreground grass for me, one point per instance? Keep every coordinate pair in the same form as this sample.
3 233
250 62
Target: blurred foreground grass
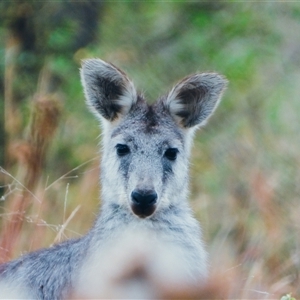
245 170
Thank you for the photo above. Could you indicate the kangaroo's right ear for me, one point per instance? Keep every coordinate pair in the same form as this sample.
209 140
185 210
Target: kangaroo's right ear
108 90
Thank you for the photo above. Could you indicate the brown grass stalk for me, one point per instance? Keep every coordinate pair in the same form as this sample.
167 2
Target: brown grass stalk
30 154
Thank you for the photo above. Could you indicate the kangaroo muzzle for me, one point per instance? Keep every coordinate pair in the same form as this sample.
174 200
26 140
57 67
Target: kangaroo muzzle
143 202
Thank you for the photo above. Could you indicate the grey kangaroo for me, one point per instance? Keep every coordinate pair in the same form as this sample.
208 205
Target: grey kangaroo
144 180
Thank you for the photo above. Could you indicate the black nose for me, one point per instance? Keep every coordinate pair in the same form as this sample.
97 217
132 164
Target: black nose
143 198
143 202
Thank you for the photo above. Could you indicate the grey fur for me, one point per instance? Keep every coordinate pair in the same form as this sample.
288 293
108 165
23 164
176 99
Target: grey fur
148 132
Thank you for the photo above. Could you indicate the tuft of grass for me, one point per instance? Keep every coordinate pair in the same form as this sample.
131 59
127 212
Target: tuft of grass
30 153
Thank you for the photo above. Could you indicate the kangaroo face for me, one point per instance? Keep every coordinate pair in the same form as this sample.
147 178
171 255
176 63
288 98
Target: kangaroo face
149 159
146 148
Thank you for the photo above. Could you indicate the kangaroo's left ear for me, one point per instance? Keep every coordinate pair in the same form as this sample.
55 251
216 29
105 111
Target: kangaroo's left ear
193 100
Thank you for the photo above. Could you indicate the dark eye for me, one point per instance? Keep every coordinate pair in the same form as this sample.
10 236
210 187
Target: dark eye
171 153
122 149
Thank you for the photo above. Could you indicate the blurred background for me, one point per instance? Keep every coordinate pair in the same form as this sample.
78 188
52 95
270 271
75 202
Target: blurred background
245 166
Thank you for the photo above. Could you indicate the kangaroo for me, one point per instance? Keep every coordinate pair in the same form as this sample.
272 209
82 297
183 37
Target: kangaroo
144 180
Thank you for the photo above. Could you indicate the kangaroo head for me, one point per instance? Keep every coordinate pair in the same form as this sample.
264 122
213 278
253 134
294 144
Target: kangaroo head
146 147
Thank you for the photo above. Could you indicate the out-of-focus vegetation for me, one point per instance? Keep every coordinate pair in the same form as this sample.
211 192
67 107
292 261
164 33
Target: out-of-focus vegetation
245 170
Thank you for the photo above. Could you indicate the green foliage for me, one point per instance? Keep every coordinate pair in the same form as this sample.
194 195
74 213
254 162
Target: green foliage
287 297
